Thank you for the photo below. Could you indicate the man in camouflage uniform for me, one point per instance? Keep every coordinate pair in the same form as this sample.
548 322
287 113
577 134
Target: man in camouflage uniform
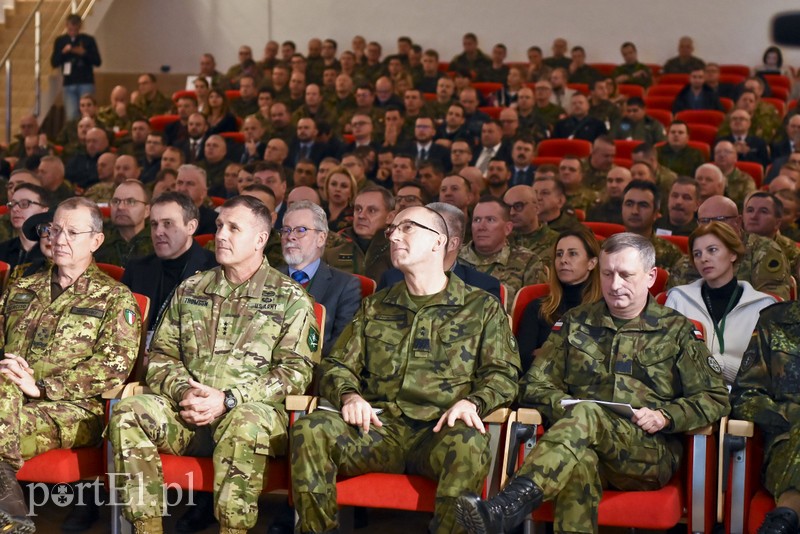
528 232
676 154
570 174
763 264
637 125
363 249
233 343
435 355
632 71
762 216
69 334
595 168
625 348
640 203
490 252
129 236
610 208
552 201
739 183
766 392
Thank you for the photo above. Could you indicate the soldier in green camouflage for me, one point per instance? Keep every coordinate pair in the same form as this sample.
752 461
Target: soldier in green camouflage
490 252
676 154
639 213
363 249
637 125
762 216
528 233
627 349
129 236
433 355
763 264
609 209
767 392
595 167
632 71
739 183
232 344
579 196
68 334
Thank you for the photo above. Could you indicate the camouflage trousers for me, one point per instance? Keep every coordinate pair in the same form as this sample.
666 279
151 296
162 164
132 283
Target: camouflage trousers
592 448
782 465
324 446
144 425
31 427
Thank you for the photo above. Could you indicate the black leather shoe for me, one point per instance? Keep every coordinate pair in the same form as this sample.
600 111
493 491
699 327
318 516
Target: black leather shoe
81 517
13 510
781 520
502 512
283 522
198 517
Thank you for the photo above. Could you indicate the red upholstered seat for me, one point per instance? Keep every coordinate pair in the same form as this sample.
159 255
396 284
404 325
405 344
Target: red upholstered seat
710 117
760 506
398 492
64 465
562 147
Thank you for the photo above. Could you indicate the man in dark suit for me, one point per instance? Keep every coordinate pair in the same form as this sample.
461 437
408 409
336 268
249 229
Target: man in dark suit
173 220
748 147
579 124
176 132
423 148
492 146
305 144
455 220
303 236
522 152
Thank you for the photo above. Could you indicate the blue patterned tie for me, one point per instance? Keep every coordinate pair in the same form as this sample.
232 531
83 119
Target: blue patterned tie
300 277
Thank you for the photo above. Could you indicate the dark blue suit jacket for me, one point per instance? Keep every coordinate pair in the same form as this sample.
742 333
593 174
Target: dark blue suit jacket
759 153
340 293
469 275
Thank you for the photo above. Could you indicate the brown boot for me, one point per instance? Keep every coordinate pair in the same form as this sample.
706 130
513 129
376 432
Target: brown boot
13 510
152 525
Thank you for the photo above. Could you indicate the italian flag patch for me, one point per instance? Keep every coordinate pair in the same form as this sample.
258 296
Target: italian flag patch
130 316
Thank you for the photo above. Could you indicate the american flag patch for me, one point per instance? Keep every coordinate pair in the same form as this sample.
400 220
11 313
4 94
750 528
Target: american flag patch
699 335
557 326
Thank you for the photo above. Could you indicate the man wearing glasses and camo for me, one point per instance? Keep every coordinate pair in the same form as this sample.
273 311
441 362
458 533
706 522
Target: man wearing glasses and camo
129 236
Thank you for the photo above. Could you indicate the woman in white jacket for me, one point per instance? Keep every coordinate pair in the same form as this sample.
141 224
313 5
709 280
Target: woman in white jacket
727 308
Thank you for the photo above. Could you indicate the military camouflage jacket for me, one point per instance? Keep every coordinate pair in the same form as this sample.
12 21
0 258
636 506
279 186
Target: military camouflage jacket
541 242
83 343
740 184
419 361
344 253
117 251
763 265
513 266
258 339
767 388
582 199
655 360
668 255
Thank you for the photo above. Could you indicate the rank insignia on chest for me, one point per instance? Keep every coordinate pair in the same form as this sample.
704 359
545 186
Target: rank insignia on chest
422 344
130 316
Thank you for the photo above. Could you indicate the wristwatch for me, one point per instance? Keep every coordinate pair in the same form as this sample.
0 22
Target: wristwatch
42 389
230 400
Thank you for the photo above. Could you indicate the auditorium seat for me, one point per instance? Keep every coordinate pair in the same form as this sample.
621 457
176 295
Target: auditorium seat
563 147
664 116
670 90
741 70
659 102
677 79
710 117
629 89
702 132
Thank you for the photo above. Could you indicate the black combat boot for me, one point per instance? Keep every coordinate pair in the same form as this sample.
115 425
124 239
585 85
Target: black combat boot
502 512
82 516
198 517
781 520
13 510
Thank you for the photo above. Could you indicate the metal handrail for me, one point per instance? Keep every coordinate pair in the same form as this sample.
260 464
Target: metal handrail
21 32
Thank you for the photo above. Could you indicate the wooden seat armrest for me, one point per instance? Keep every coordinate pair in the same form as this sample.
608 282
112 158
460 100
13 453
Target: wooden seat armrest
498 416
529 416
741 428
301 403
126 390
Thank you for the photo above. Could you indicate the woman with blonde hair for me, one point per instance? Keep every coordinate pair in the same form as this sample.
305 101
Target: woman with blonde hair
574 280
728 308
341 189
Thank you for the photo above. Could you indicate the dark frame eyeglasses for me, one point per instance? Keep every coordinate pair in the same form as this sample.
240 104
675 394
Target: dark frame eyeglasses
299 231
407 227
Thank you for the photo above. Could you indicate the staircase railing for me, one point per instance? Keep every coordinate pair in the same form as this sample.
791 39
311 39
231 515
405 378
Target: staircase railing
52 28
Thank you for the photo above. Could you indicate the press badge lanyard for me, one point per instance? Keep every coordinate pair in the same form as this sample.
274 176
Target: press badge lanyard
719 328
164 305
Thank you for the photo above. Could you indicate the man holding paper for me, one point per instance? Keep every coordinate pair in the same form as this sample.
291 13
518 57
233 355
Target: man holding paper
624 349
435 355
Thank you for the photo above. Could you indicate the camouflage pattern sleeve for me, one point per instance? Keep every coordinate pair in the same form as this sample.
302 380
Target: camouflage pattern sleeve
702 395
765 390
543 387
495 382
116 348
340 371
293 357
770 269
166 373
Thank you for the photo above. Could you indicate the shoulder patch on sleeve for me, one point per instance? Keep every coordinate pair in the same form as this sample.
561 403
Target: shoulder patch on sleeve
714 364
773 265
130 316
557 326
698 334
313 338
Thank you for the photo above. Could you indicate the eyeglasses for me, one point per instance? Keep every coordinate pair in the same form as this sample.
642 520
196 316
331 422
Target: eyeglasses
566 168
130 202
43 230
299 231
517 206
720 218
23 204
359 123
55 232
407 227
408 199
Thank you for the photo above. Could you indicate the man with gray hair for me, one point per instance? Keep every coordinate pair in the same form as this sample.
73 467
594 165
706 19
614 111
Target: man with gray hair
616 349
710 181
193 183
455 220
303 236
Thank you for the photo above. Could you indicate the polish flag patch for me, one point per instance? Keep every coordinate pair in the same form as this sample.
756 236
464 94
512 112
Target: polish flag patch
557 326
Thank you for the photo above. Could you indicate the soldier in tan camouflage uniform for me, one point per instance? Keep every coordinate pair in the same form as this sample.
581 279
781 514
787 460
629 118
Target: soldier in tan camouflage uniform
767 392
490 252
434 355
69 334
528 233
639 214
233 343
762 216
739 183
763 264
625 348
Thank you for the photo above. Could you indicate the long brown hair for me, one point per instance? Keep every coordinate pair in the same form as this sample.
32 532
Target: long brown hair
591 292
